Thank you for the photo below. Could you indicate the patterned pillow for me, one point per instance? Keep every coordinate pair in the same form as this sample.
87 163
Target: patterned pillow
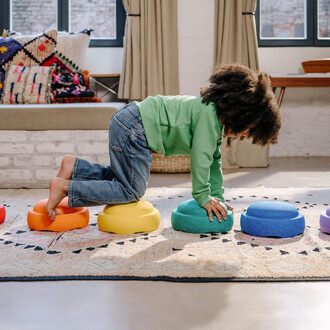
27 85
70 78
74 93
70 51
77 99
72 87
26 50
62 64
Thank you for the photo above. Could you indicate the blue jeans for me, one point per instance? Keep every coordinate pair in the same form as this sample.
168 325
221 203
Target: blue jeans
126 179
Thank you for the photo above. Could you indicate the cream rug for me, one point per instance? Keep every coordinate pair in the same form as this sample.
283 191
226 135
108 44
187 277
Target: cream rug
166 254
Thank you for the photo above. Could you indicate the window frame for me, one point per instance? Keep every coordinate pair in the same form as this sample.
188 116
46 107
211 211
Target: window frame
311 30
63 22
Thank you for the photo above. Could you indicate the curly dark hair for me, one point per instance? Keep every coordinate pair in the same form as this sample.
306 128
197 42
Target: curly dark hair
244 100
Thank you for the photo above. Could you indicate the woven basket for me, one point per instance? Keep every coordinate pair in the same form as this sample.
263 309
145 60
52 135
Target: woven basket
170 164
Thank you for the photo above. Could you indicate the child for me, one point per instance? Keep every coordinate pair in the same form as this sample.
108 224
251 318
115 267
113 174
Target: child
238 102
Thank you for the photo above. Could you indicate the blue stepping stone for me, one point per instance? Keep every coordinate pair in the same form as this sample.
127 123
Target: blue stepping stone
272 219
191 218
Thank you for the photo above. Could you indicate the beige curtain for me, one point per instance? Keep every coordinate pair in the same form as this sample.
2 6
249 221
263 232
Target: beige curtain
150 63
235 33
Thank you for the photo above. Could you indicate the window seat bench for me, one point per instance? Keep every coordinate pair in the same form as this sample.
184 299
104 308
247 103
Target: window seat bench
64 116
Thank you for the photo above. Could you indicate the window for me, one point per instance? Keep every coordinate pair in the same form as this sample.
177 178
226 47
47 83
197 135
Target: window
293 23
106 18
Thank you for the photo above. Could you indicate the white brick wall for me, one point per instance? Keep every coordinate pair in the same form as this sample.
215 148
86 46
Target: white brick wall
31 158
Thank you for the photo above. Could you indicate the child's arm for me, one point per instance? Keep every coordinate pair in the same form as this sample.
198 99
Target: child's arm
216 179
205 157
206 173
214 206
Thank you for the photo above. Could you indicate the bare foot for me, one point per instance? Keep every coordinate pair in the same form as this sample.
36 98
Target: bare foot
58 189
66 169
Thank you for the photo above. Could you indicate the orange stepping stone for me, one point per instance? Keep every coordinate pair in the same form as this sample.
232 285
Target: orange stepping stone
70 218
2 213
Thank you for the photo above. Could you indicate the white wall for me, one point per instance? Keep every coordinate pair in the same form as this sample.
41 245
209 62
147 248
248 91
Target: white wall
288 59
103 60
305 111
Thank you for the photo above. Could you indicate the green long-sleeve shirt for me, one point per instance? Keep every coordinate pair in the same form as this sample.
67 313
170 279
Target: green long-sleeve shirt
183 125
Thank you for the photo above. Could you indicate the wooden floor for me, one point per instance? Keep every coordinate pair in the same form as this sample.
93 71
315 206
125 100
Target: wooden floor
164 305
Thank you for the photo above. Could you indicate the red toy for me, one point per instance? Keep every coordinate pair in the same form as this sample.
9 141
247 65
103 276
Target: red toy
2 213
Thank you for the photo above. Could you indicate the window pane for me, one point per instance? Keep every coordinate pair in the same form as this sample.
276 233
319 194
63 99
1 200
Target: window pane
98 15
283 19
33 16
324 19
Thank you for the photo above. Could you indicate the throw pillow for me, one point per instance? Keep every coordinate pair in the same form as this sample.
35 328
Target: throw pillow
72 87
70 78
71 51
27 85
77 99
74 93
26 50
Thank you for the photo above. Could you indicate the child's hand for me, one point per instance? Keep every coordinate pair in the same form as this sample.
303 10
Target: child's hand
214 206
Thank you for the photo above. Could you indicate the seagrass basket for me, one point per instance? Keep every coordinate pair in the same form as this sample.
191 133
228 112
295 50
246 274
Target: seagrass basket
170 164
